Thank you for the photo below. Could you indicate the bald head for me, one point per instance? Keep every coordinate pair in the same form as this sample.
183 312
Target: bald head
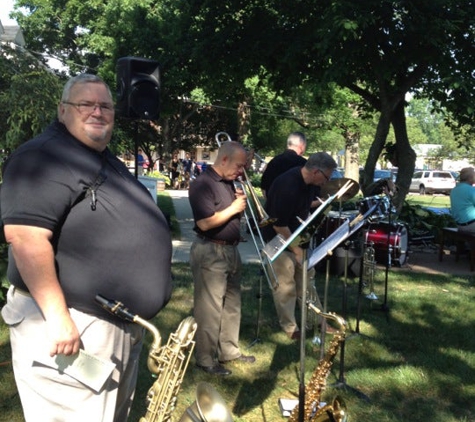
231 160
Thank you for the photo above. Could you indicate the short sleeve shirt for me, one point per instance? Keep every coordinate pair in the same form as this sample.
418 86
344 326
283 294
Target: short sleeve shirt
208 194
279 165
288 199
121 249
462 202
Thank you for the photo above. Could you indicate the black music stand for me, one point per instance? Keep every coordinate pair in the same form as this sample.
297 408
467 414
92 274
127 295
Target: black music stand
341 382
302 237
259 311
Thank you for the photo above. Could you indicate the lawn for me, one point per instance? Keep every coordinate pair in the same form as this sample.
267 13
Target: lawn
415 361
412 360
436 201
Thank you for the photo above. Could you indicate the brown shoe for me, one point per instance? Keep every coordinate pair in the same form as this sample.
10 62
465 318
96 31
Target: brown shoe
294 335
242 358
215 370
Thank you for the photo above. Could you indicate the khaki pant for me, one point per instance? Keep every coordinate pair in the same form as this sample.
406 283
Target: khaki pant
217 301
50 395
289 290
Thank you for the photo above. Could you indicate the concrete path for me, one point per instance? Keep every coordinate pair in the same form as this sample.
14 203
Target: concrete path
181 248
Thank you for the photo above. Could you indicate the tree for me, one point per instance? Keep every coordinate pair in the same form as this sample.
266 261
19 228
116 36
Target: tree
29 95
379 49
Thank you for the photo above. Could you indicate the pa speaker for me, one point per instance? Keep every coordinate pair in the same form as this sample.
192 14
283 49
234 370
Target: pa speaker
138 88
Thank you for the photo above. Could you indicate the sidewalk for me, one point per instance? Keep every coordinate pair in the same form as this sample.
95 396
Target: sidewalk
420 260
181 248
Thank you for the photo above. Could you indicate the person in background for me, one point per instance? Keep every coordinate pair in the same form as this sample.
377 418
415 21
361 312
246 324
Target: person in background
187 169
291 157
140 162
174 172
462 201
289 201
215 261
67 204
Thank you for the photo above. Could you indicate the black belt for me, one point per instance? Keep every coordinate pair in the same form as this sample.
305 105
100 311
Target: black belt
219 242
466 224
22 292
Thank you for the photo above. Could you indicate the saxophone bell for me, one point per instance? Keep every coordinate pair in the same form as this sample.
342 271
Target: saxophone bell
314 411
335 412
209 406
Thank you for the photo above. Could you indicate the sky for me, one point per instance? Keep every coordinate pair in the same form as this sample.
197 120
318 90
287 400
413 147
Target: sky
5 9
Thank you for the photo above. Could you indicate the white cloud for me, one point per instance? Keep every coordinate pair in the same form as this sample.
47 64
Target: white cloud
7 7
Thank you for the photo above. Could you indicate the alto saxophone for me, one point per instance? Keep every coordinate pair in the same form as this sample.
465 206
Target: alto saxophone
313 412
167 363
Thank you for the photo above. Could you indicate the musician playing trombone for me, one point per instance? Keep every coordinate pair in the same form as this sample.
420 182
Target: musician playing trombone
215 261
289 201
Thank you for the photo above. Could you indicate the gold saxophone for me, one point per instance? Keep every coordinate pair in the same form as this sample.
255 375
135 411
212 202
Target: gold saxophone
313 412
168 363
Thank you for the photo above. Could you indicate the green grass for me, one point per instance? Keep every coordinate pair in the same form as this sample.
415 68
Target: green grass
415 362
437 201
165 202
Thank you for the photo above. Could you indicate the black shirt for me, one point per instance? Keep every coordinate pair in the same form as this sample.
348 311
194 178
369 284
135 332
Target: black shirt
288 198
208 194
279 165
121 249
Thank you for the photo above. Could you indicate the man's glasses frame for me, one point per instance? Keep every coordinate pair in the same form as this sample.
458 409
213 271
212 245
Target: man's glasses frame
324 175
89 108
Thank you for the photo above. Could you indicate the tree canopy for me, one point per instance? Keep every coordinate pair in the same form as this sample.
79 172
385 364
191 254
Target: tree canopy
294 58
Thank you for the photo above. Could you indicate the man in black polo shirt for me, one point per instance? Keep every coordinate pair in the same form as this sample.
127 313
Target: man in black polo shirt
291 157
215 260
79 224
289 201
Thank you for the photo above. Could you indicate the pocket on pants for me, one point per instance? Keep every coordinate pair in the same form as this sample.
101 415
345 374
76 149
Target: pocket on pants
11 316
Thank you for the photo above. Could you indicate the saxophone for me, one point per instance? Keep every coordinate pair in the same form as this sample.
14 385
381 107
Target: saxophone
167 363
313 412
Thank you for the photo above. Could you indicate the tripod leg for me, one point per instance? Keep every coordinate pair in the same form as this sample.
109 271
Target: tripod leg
259 311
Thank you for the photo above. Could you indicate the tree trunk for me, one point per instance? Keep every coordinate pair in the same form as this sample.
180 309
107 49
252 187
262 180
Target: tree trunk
405 155
376 148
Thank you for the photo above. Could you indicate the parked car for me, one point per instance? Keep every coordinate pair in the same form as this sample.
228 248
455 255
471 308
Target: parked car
432 181
381 174
337 174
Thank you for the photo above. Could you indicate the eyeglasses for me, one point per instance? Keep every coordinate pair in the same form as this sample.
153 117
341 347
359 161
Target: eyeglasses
89 108
324 175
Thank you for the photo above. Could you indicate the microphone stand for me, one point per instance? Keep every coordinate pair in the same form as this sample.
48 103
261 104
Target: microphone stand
341 382
303 324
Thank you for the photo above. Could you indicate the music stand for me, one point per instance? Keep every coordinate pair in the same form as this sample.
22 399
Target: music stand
257 339
302 237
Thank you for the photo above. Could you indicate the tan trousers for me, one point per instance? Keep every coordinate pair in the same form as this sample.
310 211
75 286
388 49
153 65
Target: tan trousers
217 301
49 395
289 290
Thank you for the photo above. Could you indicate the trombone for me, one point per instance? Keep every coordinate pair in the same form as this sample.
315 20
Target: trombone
258 216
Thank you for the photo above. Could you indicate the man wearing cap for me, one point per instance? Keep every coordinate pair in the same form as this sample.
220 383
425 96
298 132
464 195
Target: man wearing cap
462 201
